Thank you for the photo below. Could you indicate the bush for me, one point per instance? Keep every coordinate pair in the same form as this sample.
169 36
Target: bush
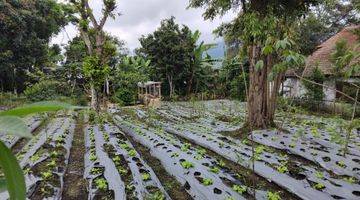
124 96
315 92
46 90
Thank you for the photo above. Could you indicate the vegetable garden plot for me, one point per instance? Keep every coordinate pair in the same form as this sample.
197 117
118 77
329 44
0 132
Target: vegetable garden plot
328 158
44 159
120 169
309 176
202 176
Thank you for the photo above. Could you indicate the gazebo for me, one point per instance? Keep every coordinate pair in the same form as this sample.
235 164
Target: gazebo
149 93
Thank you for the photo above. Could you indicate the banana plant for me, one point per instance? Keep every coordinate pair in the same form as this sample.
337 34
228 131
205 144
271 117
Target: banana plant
12 124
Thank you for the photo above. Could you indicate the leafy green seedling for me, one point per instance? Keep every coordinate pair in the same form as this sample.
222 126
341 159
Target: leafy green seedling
186 147
186 164
92 157
52 164
319 186
319 175
341 164
259 149
350 180
145 176
239 188
132 153
101 184
207 181
96 171
273 195
46 175
35 158
122 171
282 169
221 163
214 170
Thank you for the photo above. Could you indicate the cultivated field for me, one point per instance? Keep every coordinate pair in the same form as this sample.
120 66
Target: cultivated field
186 150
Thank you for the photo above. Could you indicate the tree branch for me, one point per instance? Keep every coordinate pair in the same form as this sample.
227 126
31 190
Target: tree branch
90 14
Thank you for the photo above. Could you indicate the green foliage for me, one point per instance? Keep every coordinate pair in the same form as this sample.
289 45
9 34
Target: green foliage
101 184
44 106
14 126
207 181
239 188
14 178
125 96
315 92
273 195
187 164
145 176
175 70
25 32
46 90
95 70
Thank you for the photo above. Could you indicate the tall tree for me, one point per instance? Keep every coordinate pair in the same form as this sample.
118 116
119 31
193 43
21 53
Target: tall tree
265 28
91 31
169 48
25 31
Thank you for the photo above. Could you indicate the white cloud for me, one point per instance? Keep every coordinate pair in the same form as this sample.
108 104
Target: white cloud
141 17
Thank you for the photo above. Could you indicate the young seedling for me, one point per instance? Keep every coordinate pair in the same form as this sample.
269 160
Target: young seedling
221 163
319 186
350 180
214 170
207 181
186 164
132 153
282 169
101 184
186 147
341 164
145 176
46 175
273 195
92 157
319 175
239 188
52 164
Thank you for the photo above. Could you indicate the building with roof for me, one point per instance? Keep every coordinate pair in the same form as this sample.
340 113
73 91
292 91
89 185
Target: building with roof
322 58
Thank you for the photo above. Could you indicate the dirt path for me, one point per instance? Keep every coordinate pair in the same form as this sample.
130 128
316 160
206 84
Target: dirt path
75 184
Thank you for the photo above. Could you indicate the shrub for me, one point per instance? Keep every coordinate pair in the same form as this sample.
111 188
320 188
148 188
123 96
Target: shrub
315 92
46 90
124 96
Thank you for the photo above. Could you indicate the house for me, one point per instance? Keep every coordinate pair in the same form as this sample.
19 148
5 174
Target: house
321 58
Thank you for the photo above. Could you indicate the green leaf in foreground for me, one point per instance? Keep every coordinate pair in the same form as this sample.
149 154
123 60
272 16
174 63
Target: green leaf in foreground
15 181
2 185
12 125
44 106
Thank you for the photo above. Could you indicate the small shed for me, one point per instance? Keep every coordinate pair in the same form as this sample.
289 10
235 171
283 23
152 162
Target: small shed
149 93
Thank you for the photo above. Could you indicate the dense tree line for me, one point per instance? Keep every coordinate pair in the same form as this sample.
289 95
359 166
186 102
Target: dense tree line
262 42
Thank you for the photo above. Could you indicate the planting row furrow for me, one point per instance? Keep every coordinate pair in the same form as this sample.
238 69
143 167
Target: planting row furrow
44 159
101 173
198 173
142 177
328 158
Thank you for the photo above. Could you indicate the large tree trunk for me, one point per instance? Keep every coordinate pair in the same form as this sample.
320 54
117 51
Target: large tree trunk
94 99
190 84
171 85
258 88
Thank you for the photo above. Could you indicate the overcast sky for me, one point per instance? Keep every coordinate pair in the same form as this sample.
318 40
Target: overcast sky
141 17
